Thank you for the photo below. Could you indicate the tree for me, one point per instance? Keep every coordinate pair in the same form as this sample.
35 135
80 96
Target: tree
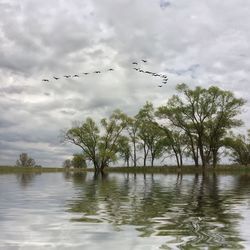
175 141
67 163
78 161
132 129
239 148
152 137
100 149
124 149
204 115
25 161
85 136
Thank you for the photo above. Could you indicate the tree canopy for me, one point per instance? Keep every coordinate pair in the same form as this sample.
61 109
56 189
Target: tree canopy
192 124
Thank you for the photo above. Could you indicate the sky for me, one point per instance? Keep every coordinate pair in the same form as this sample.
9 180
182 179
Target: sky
201 43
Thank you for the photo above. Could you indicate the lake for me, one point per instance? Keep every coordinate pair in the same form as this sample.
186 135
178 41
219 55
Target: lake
124 211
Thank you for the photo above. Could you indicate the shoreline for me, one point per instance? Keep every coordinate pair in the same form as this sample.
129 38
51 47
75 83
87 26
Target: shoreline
138 169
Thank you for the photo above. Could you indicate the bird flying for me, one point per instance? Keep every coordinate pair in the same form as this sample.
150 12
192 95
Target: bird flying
45 80
56 78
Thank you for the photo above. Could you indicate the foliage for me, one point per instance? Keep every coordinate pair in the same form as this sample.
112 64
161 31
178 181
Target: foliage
132 129
204 115
78 161
240 148
151 136
67 163
192 124
100 149
25 161
124 149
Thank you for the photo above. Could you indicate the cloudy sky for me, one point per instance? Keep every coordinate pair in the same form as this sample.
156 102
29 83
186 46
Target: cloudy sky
202 43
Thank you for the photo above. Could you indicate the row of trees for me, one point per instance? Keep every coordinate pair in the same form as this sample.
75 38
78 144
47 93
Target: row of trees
78 161
26 161
194 124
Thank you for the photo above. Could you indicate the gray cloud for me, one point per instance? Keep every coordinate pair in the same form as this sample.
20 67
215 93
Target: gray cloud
200 43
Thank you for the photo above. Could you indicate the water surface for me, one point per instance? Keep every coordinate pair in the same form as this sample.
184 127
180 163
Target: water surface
121 211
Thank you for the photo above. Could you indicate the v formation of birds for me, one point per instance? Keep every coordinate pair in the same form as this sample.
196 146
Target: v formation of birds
136 68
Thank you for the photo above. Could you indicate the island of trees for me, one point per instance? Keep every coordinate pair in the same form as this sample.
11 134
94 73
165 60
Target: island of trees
195 125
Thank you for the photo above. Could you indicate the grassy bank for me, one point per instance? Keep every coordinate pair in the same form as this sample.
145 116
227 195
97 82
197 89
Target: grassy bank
156 169
12 169
184 169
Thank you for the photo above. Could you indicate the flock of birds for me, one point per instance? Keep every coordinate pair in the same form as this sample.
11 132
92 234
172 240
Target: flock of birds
136 68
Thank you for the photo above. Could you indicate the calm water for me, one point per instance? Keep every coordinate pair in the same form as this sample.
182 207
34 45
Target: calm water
120 211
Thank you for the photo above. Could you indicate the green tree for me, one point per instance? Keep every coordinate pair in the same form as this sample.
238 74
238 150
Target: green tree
100 149
86 136
67 163
204 115
239 148
78 161
133 129
25 161
124 149
175 142
151 136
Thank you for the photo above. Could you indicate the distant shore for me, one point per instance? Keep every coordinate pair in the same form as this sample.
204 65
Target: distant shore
139 169
14 169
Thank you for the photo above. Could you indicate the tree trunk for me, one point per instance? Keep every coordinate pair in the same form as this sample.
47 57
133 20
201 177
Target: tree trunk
134 145
181 160
152 160
145 155
215 157
145 161
176 157
127 162
194 150
201 150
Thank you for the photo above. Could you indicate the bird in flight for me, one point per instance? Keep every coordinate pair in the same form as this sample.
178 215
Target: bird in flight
134 63
45 80
159 86
144 60
67 76
85 73
75 75
110 69
56 78
97 72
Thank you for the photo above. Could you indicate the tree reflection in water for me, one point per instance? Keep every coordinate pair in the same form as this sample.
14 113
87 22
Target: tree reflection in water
196 214
26 179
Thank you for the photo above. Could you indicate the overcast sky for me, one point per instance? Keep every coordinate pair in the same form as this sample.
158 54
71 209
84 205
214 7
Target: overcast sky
204 43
